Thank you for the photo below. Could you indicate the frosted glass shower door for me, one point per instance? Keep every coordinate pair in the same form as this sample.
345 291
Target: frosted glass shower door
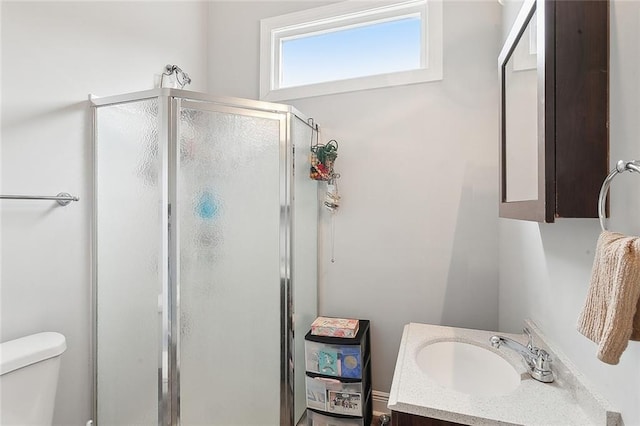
230 188
129 227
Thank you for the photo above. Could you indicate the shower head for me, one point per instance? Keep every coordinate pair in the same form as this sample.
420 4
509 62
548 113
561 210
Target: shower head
181 77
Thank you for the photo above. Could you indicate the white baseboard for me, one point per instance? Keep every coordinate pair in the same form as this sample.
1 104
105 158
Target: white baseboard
380 401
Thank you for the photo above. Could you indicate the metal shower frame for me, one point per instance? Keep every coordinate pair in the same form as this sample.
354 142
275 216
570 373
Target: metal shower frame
169 103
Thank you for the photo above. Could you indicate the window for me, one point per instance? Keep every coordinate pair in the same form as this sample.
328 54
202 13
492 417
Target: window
348 46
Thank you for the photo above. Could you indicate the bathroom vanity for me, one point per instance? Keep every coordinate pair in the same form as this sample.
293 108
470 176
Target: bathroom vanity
448 376
404 419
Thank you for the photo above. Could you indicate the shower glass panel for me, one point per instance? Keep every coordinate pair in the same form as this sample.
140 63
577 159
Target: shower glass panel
128 238
305 256
205 260
228 220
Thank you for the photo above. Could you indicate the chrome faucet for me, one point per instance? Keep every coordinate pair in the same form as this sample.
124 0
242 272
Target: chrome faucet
538 361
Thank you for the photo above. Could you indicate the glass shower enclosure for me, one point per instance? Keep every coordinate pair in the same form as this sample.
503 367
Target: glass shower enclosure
205 259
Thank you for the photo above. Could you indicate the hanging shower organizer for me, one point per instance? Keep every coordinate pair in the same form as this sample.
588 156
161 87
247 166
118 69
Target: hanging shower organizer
322 159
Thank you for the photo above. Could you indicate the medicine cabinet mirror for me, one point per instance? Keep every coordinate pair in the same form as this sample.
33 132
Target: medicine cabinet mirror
553 72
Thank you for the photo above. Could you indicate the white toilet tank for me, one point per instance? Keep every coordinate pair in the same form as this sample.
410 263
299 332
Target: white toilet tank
29 378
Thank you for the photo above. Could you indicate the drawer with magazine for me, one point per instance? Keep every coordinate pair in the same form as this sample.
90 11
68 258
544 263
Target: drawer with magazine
336 396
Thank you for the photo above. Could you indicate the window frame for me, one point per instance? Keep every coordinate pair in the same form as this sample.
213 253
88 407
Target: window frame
345 15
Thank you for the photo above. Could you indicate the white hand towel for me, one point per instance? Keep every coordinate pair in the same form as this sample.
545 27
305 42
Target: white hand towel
610 316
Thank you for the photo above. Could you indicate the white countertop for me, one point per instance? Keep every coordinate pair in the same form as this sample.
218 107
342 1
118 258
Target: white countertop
566 401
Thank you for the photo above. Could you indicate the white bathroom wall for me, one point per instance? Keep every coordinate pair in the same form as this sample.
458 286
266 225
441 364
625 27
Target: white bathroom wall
53 55
416 234
545 268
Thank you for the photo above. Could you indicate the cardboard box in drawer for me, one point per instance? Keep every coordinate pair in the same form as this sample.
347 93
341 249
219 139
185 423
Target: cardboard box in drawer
335 327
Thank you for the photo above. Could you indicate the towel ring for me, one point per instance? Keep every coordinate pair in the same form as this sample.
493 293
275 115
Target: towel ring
621 166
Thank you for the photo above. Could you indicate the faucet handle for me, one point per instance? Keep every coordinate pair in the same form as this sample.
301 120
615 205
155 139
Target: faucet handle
543 359
530 341
542 366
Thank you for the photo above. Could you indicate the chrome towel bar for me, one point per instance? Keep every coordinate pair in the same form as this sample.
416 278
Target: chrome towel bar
621 166
62 198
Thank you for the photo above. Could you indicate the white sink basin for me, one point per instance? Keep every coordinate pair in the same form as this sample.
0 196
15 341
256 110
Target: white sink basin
467 368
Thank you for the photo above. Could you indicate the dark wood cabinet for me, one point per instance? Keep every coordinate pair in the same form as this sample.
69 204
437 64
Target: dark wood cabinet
404 419
559 172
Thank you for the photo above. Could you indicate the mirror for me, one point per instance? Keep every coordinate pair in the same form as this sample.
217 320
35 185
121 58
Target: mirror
521 118
524 127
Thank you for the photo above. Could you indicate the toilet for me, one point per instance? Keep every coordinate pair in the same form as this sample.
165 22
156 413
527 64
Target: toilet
29 377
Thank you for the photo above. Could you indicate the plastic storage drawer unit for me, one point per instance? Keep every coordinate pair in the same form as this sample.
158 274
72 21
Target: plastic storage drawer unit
338 379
